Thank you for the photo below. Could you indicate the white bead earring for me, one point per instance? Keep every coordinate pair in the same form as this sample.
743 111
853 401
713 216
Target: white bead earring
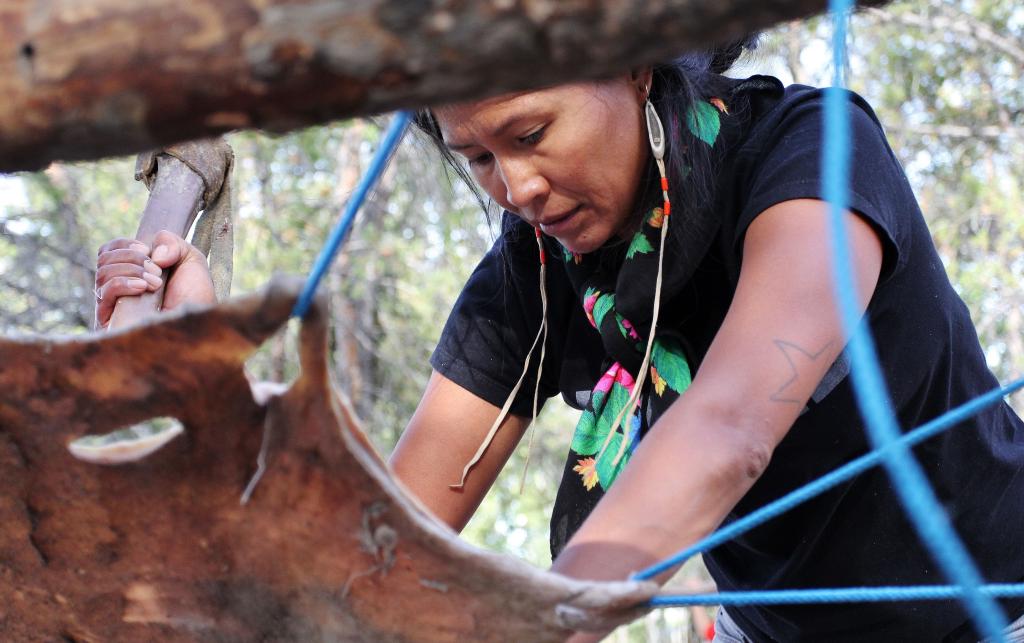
656 137
655 133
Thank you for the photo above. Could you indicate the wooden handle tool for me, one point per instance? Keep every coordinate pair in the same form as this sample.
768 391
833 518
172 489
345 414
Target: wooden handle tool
174 201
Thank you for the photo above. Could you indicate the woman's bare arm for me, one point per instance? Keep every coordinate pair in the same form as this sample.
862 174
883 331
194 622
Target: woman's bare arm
778 339
449 425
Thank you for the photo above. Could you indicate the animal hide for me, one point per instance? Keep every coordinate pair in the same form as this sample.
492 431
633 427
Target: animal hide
329 547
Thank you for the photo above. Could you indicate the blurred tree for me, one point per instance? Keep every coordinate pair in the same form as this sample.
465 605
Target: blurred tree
48 242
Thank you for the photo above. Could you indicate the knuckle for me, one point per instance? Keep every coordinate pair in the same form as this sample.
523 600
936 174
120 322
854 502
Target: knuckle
114 244
108 256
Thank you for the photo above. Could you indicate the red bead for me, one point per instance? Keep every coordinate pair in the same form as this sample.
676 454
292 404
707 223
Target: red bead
667 207
664 183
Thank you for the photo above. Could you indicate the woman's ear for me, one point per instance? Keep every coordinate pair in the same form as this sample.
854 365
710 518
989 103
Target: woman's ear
641 79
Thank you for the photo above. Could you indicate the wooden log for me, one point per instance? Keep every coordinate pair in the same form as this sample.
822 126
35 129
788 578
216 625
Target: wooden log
83 79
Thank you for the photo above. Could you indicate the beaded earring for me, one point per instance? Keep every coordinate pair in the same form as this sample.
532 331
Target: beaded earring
656 138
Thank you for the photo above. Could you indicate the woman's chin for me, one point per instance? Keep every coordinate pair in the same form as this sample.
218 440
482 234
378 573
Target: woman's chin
585 231
581 245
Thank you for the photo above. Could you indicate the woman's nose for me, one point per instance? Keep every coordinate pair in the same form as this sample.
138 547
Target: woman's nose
523 183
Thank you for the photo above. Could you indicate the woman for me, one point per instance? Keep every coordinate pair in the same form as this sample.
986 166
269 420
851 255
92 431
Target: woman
745 307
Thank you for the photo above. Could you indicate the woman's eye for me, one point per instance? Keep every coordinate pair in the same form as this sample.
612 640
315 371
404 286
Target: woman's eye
534 137
482 159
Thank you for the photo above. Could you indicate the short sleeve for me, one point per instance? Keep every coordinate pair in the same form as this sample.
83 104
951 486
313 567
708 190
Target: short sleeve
781 161
495 320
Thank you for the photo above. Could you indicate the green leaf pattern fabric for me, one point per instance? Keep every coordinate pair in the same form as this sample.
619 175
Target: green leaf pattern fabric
703 121
669 367
639 245
596 443
603 304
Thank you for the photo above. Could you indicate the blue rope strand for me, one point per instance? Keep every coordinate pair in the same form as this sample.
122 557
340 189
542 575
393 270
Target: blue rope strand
890 447
911 484
837 595
817 487
380 160
919 500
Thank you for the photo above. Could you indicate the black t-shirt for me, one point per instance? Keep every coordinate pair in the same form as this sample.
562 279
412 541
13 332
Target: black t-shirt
856 534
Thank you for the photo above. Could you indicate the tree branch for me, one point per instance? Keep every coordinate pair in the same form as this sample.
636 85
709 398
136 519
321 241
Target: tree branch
36 243
956 22
82 79
954 131
75 317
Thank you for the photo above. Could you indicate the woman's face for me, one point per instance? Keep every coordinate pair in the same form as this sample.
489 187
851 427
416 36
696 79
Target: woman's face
567 159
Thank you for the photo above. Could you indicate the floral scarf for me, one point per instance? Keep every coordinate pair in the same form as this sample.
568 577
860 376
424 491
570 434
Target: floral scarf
616 290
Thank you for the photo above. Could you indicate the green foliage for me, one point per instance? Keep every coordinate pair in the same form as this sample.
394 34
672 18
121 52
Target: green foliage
51 224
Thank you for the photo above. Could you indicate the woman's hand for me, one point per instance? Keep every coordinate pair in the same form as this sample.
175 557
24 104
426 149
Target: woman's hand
126 267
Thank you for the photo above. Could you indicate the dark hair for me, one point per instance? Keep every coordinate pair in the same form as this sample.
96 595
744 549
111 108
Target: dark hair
691 165
425 121
675 86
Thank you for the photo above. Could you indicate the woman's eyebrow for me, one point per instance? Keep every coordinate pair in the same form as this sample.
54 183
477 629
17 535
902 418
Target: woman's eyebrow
498 131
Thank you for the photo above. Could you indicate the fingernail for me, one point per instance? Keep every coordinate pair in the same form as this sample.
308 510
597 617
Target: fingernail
152 280
161 253
152 268
139 247
137 283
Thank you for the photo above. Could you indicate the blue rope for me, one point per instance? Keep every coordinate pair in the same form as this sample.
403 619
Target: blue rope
829 480
323 262
890 448
923 508
836 595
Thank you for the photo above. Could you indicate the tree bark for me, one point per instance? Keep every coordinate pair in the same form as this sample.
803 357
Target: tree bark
82 79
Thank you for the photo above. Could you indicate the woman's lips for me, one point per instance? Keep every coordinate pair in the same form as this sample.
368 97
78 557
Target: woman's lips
557 226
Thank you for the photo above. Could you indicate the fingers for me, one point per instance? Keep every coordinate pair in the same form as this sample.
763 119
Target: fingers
112 290
123 269
148 271
126 267
169 249
121 243
137 254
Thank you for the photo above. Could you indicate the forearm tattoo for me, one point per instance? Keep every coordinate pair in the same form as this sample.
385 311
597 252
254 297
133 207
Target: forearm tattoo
800 362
